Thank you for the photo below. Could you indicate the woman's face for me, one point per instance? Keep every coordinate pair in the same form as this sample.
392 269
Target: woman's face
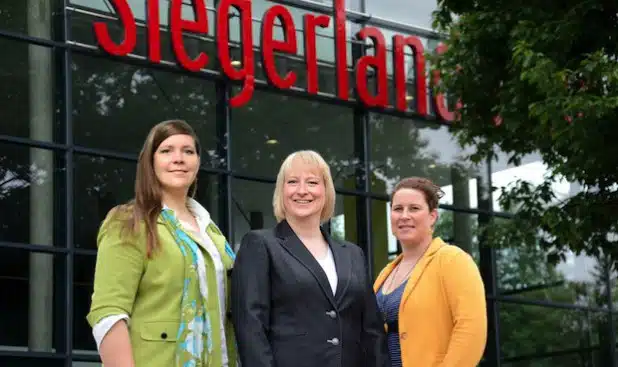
176 162
411 219
303 191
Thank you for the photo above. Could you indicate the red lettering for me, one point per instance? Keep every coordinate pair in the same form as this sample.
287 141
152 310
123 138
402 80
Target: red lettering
311 59
127 19
399 44
439 99
270 45
341 54
154 32
178 25
378 63
247 73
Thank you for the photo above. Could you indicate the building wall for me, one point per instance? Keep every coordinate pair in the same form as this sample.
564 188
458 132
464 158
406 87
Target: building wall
73 121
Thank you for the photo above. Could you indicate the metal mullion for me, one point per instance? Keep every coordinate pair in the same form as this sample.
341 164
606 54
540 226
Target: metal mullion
543 303
30 143
32 247
69 162
488 270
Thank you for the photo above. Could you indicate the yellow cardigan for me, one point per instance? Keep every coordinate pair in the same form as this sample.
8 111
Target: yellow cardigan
442 315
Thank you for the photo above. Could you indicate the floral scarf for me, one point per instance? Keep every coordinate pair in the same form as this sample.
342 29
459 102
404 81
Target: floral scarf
194 334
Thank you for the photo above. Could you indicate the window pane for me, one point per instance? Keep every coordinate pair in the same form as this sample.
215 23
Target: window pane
111 98
343 225
523 271
272 126
27 91
31 184
528 331
82 291
416 13
404 147
103 183
6 361
459 229
251 207
585 358
32 281
31 17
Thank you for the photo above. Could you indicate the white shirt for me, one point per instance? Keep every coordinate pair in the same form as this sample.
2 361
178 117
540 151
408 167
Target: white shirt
328 265
203 219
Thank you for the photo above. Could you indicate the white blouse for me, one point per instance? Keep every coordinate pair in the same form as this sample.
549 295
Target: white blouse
328 265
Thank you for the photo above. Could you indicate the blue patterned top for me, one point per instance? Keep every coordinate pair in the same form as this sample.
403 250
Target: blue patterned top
389 307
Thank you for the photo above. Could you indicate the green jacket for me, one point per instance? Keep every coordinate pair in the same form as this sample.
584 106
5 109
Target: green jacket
149 291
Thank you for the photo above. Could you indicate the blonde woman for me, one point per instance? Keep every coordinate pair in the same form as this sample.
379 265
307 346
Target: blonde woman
299 297
160 281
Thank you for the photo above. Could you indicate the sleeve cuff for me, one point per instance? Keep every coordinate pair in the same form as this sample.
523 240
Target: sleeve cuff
101 328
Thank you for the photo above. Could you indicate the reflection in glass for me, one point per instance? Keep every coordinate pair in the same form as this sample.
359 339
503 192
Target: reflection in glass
27 279
523 271
251 208
100 184
343 225
271 126
533 333
416 13
31 17
27 187
111 98
26 92
402 147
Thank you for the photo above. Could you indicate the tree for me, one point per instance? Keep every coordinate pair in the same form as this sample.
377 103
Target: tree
541 77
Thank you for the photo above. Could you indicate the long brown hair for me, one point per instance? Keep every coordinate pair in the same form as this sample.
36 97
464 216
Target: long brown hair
146 206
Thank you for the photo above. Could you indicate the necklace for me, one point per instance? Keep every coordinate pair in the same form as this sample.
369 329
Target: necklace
385 287
387 290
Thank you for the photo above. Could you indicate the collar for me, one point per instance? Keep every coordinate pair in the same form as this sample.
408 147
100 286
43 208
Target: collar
201 214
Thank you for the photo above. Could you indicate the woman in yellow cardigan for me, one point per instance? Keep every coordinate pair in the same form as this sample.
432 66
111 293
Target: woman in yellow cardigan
431 296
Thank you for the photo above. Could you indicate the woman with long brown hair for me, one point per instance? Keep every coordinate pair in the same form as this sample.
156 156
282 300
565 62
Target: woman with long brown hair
160 285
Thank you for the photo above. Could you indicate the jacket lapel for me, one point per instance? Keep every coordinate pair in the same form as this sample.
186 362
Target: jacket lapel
293 245
435 245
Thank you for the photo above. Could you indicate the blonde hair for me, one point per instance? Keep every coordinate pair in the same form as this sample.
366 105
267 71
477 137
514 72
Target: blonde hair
308 157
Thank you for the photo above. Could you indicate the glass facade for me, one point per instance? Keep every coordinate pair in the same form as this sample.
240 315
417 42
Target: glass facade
74 119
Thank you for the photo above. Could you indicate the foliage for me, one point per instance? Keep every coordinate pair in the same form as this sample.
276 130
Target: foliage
541 77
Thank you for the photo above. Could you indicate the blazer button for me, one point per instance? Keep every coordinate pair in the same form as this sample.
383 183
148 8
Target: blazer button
163 335
403 336
332 314
333 341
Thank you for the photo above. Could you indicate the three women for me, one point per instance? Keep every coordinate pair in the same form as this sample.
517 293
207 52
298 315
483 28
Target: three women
298 296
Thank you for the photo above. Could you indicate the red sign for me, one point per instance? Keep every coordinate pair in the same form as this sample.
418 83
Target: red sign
246 73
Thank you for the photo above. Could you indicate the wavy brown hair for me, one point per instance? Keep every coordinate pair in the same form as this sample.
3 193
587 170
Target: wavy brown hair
145 207
432 192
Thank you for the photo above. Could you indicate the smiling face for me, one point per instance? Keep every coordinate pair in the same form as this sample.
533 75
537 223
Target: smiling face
176 162
303 191
411 218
